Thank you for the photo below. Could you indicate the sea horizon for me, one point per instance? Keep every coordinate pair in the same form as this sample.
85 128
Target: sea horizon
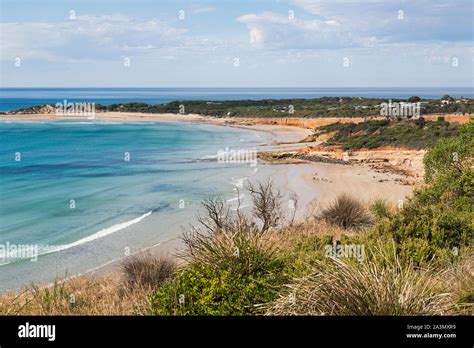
14 98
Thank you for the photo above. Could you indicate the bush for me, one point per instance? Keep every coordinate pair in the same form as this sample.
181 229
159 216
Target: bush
303 252
204 290
425 233
381 209
226 274
379 285
346 212
267 204
241 252
451 156
147 271
267 208
234 242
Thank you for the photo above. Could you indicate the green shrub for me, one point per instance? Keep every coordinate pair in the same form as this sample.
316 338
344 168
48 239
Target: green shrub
303 252
451 156
204 290
454 191
381 209
424 233
226 274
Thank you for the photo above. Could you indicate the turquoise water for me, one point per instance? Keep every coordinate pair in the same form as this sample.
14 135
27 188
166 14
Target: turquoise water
171 166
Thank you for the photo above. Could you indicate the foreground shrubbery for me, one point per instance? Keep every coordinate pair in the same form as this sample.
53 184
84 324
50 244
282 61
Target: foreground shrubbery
379 285
201 289
395 276
231 265
437 223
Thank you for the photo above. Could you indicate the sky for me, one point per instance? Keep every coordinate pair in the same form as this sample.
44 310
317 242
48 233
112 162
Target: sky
236 43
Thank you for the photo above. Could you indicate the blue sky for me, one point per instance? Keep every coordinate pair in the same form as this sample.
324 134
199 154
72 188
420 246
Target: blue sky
282 43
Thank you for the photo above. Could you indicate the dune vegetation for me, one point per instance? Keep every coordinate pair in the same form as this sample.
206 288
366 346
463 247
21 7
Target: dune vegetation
418 134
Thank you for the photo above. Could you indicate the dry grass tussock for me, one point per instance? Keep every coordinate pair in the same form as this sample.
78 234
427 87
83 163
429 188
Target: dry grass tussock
380 285
78 296
145 271
347 212
123 292
234 241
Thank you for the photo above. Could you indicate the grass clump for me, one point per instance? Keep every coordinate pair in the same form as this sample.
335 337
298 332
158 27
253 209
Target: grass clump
346 212
242 251
380 285
461 280
147 271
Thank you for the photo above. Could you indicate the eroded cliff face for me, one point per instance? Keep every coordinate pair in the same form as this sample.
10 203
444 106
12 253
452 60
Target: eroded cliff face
406 164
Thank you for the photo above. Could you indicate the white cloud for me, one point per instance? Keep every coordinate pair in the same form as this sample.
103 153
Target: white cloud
369 23
256 36
395 21
86 37
278 31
